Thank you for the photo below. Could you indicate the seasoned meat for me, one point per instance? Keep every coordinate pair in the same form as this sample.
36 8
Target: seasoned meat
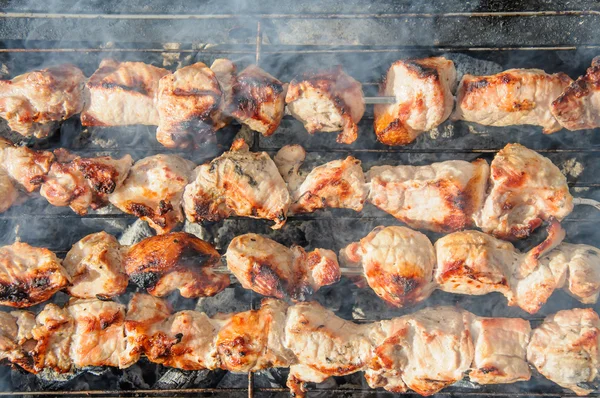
104 174
423 92
29 275
226 74
335 184
187 100
525 190
258 100
16 338
271 269
565 349
99 334
440 197
34 102
254 340
500 349
8 192
397 262
515 96
175 261
578 107
95 266
288 161
122 93
52 334
431 349
154 189
327 101
27 168
241 183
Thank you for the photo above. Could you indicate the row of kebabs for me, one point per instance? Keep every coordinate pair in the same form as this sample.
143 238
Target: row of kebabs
425 351
510 199
401 265
197 100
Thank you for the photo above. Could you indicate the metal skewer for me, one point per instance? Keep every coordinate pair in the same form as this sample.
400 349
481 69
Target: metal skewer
380 100
588 202
345 271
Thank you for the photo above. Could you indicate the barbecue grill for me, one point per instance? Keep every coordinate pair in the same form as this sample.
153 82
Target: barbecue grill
286 38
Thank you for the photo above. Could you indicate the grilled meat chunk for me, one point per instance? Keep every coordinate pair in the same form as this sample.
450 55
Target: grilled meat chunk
241 183
288 161
500 350
565 349
327 101
271 269
423 92
27 168
525 190
258 100
187 101
99 334
122 93
578 107
16 338
52 334
154 189
515 96
29 275
226 74
34 102
175 261
8 192
455 189
397 261
95 266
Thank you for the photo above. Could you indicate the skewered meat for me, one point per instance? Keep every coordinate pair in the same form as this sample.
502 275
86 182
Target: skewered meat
34 102
565 349
8 192
122 93
500 349
441 197
258 100
423 92
288 161
515 96
525 190
578 107
238 182
16 338
52 334
99 334
29 275
154 189
327 101
95 266
178 260
225 72
27 168
187 100
397 261
335 184
104 174
271 269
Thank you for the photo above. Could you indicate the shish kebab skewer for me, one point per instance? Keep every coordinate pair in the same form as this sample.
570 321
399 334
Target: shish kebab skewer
425 351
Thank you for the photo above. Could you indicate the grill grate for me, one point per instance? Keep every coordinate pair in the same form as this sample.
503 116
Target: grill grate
292 38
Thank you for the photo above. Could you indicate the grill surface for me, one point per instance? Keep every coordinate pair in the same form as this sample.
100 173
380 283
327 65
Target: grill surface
284 38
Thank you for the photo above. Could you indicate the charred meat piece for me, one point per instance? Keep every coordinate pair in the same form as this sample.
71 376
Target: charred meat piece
95 266
52 334
500 350
512 97
187 101
327 101
154 189
258 100
104 175
440 197
34 102
271 269
565 349
27 168
29 275
175 261
122 93
578 107
16 338
241 183
423 91
397 262
226 74
99 334
525 190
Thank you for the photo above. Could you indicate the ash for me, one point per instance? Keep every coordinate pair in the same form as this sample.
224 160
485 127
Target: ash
135 232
